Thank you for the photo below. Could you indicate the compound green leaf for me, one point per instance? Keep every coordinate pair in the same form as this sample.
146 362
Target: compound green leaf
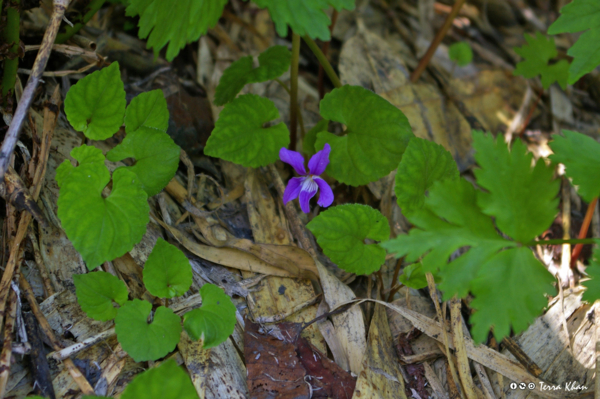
423 163
214 321
536 54
576 16
174 22
273 62
521 198
461 53
101 229
142 340
306 17
167 381
413 276
308 144
592 292
376 136
156 154
167 272
239 135
341 231
96 293
581 156
509 290
585 53
96 104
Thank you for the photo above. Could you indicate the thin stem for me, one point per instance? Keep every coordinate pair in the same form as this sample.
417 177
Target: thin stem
395 286
423 62
11 35
283 85
80 21
294 90
582 241
323 61
300 118
583 231
325 49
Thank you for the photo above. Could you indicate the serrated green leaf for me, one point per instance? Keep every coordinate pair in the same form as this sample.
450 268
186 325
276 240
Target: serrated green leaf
96 104
96 293
423 163
156 154
167 381
576 16
536 54
509 291
273 62
306 17
585 53
214 321
522 199
167 272
85 155
341 231
174 22
461 53
581 156
239 135
142 340
308 144
101 229
376 136
592 292
413 276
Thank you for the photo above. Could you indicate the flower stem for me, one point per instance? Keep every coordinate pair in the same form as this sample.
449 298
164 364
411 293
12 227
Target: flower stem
323 61
583 231
294 90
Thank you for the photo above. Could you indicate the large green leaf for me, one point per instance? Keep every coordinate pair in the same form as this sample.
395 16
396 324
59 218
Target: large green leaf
174 22
214 321
101 229
581 156
239 135
96 104
376 136
156 154
522 199
96 293
592 292
143 340
305 17
167 272
274 62
167 381
585 53
341 231
423 163
536 54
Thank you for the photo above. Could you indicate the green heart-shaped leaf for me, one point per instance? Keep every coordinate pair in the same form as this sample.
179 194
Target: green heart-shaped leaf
376 136
167 272
461 53
167 381
239 135
142 340
341 232
214 321
96 104
156 154
96 293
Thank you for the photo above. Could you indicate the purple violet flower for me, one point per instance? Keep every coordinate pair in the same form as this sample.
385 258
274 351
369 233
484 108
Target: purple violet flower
307 185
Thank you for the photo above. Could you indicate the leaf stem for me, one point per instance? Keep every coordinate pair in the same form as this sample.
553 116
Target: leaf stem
294 90
323 61
583 231
582 241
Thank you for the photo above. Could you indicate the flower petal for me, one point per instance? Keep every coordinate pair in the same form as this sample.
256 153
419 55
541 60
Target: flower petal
293 158
326 194
308 190
319 161
293 189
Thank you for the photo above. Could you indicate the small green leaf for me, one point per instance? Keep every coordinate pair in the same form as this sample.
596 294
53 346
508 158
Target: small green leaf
461 53
522 199
167 381
239 135
413 276
576 16
581 156
156 154
592 292
174 22
214 321
167 272
305 17
423 163
376 136
585 53
101 229
96 104
308 144
142 340
274 62
341 231
536 54
96 293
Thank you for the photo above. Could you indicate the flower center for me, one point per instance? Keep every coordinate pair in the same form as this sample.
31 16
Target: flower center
308 184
